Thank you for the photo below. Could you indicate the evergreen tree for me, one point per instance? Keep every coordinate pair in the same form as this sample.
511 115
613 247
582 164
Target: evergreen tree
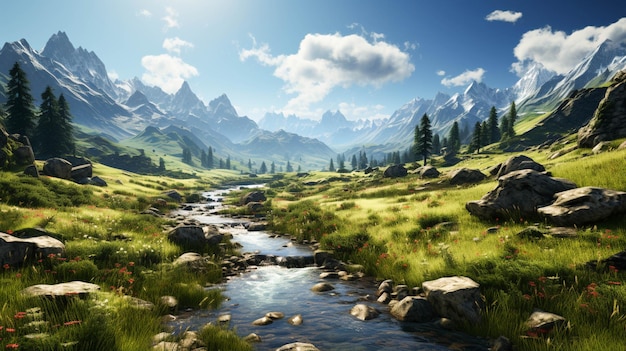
425 139
186 155
209 158
272 168
66 130
416 139
331 168
504 127
362 160
221 163
250 165
299 169
20 109
289 168
46 132
227 162
492 125
203 160
263 168
484 134
511 120
436 144
454 139
354 162
161 164
474 145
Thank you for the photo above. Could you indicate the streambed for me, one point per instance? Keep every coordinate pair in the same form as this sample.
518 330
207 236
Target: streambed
327 322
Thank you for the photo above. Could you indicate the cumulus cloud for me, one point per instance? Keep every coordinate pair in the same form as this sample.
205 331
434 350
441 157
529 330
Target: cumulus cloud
176 44
325 61
166 71
559 51
441 73
171 19
505 16
144 13
464 78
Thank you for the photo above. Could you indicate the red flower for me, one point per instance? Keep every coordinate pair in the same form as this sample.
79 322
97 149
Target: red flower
6 266
12 346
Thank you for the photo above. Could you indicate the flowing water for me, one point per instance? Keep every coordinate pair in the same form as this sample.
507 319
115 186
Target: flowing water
327 322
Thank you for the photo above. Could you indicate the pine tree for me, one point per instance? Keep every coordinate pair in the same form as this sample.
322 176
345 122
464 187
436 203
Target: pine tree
161 164
354 162
331 168
436 144
272 168
484 134
454 139
492 125
46 132
476 139
289 168
20 109
425 139
228 162
250 165
504 128
66 130
203 160
209 158
263 168
362 160
511 120
416 139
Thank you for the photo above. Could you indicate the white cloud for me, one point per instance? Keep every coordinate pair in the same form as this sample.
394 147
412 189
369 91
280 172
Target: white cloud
112 74
355 112
144 13
441 73
325 61
166 71
410 46
559 51
171 19
176 44
505 16
464 78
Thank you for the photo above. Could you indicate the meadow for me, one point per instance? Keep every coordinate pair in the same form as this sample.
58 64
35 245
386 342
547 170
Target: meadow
406 229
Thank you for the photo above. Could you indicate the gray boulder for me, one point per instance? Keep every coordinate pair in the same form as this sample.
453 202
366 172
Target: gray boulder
82 171
15 251
254 196
395 171
413 309
428 172
194 262
31 170
97 181
516 163
584 205
456 298
81 289
323 286
24 155
543 322
298 346
465 176
58 168
193 236
518 193
173 194
364 312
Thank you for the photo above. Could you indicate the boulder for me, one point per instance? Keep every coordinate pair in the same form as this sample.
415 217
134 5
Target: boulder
516 163
82 289
298 346
263 321
295 320
428 172
413 309
255 207
254 196
24 155
173 194
456 298
364 312
617 261
395 171
321 287
542 322
194 262
58 168
15 251
518 193
97 181
31 170
465 176
193 236
601 147
82 171
584 205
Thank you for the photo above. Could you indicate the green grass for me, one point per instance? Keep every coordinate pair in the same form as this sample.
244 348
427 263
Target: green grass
394 229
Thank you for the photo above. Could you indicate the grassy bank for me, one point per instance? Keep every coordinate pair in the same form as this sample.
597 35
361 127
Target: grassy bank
412 230
109 243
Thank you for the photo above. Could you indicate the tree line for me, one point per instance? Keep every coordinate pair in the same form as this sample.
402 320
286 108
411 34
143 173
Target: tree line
49 127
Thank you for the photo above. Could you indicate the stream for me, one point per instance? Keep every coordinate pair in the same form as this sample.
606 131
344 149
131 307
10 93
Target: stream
327 322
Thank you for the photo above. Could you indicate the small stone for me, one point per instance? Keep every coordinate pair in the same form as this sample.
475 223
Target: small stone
275 315
321 287
263 321
295 320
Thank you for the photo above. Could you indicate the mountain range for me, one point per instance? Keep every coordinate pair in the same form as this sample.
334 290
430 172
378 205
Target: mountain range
131 112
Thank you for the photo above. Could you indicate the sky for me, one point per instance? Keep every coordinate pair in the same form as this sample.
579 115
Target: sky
364 58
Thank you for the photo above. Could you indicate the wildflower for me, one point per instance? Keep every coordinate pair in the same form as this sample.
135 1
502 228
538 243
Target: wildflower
532 284
10 330
19 315
10 232
12 346
131 263
542 279
614 283
612 269
526 297
6 266
18 275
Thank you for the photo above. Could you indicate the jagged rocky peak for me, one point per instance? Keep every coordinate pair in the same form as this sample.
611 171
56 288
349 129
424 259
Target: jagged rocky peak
137 99
221 105
336 118
58 45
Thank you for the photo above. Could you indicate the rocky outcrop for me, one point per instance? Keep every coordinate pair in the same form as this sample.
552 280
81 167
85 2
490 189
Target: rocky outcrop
584 205
519 193
254 196
74 288
395 171
426 172
16 251
195 262
516 163
465 176
456 298
193 236
58 168
413 309
609 120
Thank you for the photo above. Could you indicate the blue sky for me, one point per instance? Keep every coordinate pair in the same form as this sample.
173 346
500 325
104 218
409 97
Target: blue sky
366 58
